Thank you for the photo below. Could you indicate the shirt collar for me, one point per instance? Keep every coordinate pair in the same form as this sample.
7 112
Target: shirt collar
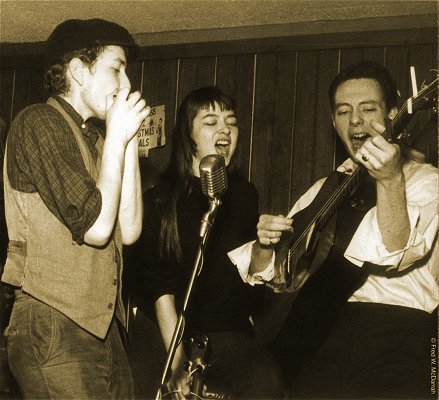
87 129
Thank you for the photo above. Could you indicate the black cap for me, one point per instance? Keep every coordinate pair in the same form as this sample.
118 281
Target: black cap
76 34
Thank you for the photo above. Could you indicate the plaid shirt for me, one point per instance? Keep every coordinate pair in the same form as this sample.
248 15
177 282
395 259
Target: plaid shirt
43 156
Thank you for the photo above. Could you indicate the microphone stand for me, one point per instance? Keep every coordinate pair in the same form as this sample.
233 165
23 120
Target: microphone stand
206 225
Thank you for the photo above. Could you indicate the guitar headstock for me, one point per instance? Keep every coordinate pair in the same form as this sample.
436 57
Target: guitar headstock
425 99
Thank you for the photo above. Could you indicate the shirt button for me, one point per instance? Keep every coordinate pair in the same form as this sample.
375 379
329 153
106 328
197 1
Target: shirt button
110 306
114 282
258 277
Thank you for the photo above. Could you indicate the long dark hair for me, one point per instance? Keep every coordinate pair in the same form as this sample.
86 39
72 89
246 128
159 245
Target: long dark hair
177 176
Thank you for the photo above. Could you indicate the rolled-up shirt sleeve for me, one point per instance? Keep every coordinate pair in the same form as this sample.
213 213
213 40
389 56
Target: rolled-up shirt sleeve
43 156
367 243
241 257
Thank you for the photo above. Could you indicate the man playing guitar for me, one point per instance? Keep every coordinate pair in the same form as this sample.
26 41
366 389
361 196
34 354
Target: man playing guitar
365 316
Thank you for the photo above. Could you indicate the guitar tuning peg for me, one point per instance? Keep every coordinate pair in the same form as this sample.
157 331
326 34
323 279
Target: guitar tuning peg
403 137
413 79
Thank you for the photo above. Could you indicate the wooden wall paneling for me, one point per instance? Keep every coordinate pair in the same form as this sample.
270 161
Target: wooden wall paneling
304 123
324 147
235 75
29 88
376 54
397 62
159 88
195 73
263 129
351 56
225 74
282 142
6 94
134 72
421 57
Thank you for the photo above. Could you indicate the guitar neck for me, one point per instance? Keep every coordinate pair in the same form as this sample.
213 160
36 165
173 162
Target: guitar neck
349 183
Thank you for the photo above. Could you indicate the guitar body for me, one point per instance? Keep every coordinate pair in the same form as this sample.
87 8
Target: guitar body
312 239
311 254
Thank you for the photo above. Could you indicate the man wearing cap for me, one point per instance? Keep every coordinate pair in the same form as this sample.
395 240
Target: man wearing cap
72 199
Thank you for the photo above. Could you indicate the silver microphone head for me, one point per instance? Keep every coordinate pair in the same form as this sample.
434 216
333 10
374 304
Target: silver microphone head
213 176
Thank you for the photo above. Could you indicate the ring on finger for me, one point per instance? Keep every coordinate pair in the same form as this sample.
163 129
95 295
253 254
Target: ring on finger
365 157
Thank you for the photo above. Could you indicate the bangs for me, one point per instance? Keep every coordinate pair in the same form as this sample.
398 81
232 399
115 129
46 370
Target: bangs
208 98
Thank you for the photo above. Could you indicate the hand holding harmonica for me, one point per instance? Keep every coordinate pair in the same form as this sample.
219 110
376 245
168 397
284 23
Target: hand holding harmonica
125 114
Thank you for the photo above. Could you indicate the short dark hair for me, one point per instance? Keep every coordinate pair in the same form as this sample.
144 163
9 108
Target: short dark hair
84 39
367 70
55 78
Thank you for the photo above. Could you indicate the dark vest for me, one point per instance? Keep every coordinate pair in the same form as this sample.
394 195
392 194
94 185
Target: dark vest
80 281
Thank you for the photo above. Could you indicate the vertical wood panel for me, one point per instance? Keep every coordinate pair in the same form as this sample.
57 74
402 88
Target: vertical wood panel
134 73
397 62
421 58
195 73
263 128
350 56
159 87
235 76
304 124
324 147
376 54
286 75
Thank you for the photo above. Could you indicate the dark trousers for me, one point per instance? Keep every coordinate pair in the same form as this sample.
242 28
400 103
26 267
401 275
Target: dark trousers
53 358
373 351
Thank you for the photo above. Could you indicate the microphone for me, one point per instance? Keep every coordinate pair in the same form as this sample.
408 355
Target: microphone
213 176
213 185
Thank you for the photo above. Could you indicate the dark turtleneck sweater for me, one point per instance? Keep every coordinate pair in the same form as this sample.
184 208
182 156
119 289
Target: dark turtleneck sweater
220 300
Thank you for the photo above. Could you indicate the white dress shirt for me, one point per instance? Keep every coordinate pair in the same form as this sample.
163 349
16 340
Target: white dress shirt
416 286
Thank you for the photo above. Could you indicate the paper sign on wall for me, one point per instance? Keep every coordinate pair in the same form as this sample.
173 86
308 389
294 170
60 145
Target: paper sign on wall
151 133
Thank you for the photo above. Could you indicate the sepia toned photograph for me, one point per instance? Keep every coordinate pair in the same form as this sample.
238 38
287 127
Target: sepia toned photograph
219 199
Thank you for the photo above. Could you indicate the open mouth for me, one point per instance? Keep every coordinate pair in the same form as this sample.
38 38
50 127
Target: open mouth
222 147
358 139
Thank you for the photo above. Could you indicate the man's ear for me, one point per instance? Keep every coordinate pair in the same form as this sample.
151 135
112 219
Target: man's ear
393 111
76 69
